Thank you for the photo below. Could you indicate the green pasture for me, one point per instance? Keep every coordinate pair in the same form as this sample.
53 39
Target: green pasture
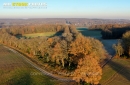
90 33
116 72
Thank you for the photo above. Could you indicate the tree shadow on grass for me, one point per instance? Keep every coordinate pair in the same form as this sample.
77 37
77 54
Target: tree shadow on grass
58 33
20 78
120 69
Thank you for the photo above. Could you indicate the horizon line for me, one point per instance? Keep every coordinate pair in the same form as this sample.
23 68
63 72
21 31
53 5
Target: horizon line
70 18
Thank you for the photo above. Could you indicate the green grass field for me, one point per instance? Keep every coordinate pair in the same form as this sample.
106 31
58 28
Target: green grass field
116 72
47 34
15 71
84 31
39 34
91 33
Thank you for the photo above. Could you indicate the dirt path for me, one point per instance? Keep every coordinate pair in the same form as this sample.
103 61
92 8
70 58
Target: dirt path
40 69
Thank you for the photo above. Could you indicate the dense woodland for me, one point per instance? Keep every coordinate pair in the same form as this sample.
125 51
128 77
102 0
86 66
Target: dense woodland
73 52
111 31
26 29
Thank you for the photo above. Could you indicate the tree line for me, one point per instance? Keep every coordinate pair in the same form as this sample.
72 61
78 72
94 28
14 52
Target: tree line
71 51
111 31
26 29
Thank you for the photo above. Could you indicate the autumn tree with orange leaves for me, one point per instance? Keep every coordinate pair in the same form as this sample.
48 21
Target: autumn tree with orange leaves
87 53
88 70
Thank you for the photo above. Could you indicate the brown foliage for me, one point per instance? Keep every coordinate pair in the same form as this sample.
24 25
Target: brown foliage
88 70
87 46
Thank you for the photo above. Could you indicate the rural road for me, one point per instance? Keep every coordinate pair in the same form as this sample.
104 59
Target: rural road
38 68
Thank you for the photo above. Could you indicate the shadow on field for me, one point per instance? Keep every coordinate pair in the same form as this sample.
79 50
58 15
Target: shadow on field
58 33
20 78
120 69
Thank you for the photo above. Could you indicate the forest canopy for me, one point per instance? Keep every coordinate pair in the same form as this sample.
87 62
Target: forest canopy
111 31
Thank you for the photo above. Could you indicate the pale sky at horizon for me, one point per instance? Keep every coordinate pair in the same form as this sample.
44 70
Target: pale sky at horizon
106 9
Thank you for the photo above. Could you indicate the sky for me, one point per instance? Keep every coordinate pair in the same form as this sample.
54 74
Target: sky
104 9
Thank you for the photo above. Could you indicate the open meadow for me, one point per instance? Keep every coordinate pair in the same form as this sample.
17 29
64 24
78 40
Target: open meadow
83 30
116 72
46 34
90 33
